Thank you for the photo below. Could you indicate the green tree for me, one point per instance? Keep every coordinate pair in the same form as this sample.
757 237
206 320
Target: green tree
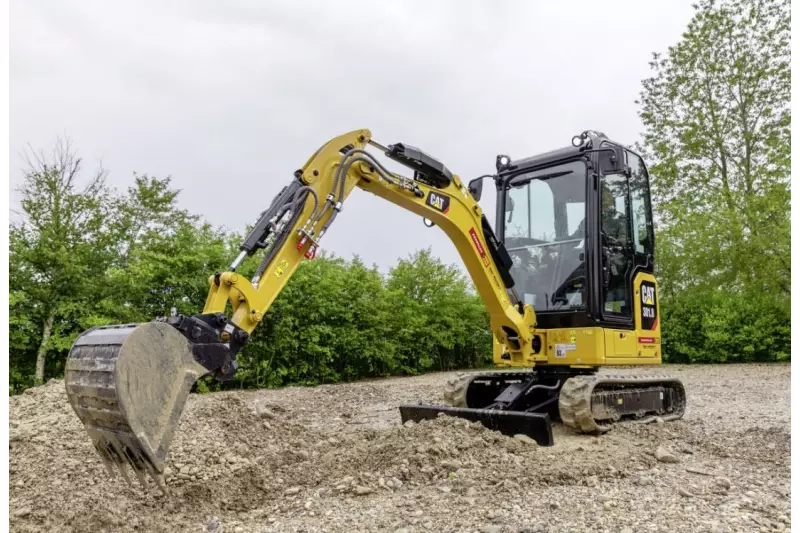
82 255
722 328
149 210
339 320
716 113
164 256
717 137
59 246
445 322
330 323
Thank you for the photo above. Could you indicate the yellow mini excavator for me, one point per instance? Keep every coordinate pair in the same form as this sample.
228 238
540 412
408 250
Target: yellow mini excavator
566 276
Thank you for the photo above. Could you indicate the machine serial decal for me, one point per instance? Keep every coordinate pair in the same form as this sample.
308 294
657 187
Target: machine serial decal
562 349
438 201
479 246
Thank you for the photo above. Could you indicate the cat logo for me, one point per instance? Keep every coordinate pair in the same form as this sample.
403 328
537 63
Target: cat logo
438 201
572 336
648 294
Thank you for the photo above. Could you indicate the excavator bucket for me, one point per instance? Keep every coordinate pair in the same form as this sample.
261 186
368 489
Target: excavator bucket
128 384
535 425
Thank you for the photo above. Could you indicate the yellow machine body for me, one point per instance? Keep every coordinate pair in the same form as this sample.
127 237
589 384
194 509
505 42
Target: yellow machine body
597 346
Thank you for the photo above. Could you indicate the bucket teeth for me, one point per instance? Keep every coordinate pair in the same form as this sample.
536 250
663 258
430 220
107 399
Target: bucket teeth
121 459
158 479
108 463
118 456
141 477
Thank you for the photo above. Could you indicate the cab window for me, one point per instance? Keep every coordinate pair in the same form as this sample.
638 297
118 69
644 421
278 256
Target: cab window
640 210
617 260
545 232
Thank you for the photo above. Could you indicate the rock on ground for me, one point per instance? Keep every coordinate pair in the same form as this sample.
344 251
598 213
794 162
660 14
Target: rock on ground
664 455
336 458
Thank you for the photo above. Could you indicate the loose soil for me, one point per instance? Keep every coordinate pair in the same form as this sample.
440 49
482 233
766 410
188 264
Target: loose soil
336 458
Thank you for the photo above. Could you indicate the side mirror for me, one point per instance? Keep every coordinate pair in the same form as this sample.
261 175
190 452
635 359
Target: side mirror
612 159
476 188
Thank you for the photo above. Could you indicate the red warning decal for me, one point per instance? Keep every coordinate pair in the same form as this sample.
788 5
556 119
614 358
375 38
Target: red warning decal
647 340
479 246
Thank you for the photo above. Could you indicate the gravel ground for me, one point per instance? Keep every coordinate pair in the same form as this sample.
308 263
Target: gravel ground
335 458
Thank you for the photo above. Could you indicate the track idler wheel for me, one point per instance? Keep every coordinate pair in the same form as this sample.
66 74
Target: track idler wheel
455 393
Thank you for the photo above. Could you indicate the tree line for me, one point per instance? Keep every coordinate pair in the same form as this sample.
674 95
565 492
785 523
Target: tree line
716 118
83 255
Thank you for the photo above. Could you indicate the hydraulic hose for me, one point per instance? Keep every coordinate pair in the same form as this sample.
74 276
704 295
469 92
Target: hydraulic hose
296 205
340 180
380 169
347 162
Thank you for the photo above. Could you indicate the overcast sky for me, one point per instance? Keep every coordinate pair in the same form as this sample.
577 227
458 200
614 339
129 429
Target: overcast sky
230 97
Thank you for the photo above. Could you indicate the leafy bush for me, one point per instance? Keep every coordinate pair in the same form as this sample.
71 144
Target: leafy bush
726 327
339 320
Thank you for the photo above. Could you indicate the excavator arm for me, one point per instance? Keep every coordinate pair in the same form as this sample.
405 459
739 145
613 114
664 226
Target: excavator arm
301 215
129 383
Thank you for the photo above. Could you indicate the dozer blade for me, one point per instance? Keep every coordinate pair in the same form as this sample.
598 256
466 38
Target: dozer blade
128 384
535 425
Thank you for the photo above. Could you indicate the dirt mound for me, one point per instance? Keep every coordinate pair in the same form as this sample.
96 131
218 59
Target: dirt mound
335 458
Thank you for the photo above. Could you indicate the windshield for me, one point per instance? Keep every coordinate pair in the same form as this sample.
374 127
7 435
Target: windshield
545 232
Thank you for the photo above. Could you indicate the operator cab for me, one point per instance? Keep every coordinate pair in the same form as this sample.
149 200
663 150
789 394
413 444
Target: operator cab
577 223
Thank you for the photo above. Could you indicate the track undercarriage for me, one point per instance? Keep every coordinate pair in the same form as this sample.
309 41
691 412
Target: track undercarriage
527 402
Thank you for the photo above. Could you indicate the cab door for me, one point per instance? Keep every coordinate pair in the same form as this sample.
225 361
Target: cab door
626 254
628 292
616 249
616 265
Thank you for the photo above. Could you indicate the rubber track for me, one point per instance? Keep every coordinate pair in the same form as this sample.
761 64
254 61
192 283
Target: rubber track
575 399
